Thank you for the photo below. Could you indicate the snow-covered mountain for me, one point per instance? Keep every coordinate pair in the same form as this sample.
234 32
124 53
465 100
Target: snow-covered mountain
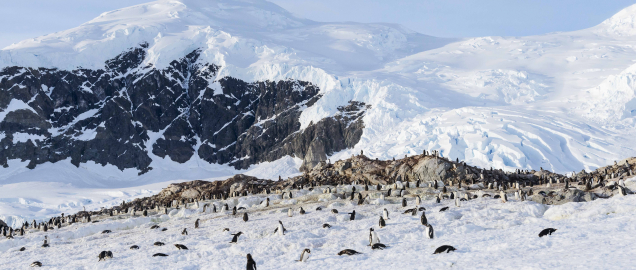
194 89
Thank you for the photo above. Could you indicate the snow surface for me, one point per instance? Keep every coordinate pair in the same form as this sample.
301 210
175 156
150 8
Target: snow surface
563 101
488 234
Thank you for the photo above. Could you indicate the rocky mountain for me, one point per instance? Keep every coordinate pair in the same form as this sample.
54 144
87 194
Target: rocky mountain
126 111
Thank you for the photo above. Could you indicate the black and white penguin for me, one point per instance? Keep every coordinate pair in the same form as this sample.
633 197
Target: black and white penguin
184 232
353 215
234 211
388 194
134 247
235 238
348 252
159 255
326 225
154 227
379 246
251 264
418 200
437 200
158 244
403 202
382 222
304 256
245 218
385 213
196 224
444 248
106 231
280 229
36 264
547 231
290 212
429 231
423 219
373 237
302 211
335 211
105 255
443 209
181 247
46 242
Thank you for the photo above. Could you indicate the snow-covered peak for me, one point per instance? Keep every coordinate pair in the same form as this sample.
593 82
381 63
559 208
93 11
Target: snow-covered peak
622 23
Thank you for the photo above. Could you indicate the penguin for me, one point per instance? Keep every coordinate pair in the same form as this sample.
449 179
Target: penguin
159 255
547 231
46 244
213 208
457 202
164 229
385 213
145 213
429 231
304 256
326 225
353 215
348 252
196 224
267 202
388 194
245 218
134 247
184 232
302 211
335 211
318 208
444 248
382 222
181 247
373 237
443 209
105 255
423 219
36 264
251 264
158 244
290 213
503 196
418 200
378 246
280 229
437 200
403 202
234 211
22 249
235 238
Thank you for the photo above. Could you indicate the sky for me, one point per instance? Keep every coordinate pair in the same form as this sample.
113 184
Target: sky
25 19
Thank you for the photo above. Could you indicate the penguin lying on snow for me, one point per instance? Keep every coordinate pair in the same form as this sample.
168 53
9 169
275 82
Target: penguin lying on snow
443 209
334 211
378 246
106 231
134 247
36 264
348 252
326 225
154 227
181 247
547 231
164 229
444 248
159 255
158 244
105 255
22 249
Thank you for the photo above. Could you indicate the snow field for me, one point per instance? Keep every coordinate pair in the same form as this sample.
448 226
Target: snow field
487 234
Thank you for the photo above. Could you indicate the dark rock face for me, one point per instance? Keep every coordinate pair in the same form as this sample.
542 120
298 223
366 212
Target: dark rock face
117 115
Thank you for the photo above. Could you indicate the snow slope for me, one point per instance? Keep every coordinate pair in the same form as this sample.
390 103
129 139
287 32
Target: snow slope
488 234
561 101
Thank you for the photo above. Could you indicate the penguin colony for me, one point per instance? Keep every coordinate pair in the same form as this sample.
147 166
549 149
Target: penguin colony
520 182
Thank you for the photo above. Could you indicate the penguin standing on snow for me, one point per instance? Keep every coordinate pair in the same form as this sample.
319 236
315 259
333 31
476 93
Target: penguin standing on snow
245 218
280 229
423 219
373 237
196 224
184 232
385 213
290 213
305 255
403 202
353 215
382 222
235 238
251 264
503 196
429 231
418 200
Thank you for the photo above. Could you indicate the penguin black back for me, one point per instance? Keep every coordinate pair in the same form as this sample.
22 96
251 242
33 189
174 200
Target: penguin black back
245 218
181 247
251 264
378 246
348 252
547 231
444 248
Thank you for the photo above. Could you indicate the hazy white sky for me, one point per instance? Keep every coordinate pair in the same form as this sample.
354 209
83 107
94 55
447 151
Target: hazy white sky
445 18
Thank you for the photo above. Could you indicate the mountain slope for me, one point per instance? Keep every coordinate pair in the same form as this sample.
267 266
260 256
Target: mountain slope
186 85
